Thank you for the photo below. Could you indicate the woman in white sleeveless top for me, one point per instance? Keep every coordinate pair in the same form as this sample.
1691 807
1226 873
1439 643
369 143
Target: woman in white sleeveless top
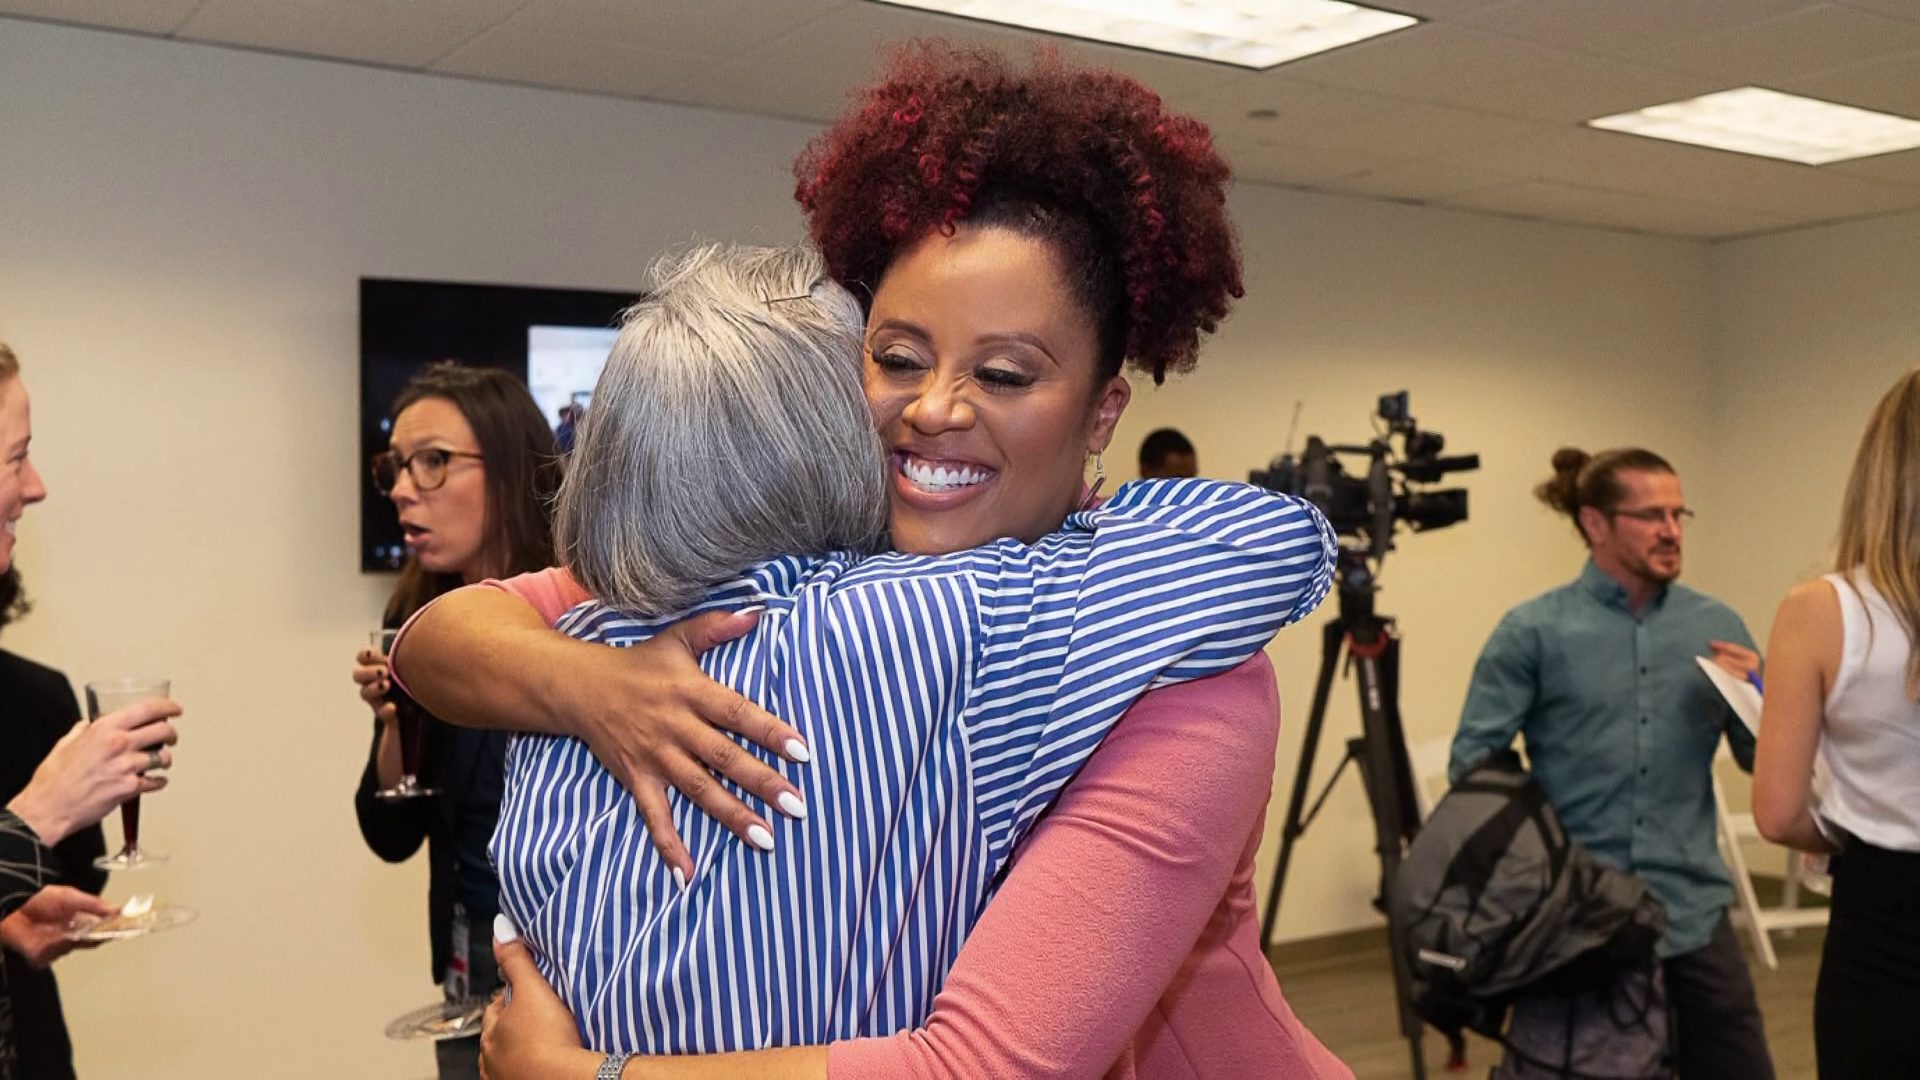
1838 767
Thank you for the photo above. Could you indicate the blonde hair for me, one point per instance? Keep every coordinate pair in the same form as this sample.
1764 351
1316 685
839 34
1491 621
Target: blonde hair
1880 514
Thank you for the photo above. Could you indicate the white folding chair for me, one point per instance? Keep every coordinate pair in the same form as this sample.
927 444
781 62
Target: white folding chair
1429 761
1761 922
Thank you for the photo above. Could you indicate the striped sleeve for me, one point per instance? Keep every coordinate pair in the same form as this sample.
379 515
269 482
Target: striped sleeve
1171 580
23 863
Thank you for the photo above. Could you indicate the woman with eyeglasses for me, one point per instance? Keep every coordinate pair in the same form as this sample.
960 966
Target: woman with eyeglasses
471 469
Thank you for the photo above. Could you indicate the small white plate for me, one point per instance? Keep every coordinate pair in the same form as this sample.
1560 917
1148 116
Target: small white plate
447 1020
152 920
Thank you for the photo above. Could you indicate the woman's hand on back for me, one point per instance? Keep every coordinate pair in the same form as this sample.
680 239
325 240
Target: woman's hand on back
489 658
655 720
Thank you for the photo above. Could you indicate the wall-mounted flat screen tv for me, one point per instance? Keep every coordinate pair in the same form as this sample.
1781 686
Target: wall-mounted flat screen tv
556 340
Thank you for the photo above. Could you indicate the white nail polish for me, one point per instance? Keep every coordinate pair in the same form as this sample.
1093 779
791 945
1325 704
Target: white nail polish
791 805
754 610
760 837
680 879
503 931
798 751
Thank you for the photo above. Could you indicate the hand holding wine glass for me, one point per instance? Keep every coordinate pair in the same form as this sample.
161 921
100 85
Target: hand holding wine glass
375 678
403 737
113 698
98 766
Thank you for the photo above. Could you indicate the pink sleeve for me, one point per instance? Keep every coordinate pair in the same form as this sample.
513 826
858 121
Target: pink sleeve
1106 898
551 592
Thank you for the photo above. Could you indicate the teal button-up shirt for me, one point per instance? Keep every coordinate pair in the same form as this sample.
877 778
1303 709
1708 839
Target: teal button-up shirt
1621 727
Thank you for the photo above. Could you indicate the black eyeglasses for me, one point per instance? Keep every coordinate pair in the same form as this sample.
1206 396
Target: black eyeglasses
427 466
1655 515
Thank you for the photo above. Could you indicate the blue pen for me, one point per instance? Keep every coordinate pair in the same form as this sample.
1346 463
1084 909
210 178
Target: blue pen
1754 678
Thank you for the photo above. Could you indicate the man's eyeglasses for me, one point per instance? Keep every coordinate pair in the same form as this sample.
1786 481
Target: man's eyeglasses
1655 515
427 466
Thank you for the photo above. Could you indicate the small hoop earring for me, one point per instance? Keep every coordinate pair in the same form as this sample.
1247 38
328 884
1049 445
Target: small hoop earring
1099 478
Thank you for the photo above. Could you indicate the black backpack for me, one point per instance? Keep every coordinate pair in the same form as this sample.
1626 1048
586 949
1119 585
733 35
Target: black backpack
1500 904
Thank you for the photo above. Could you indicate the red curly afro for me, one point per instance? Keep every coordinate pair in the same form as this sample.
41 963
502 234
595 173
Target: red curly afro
1131 195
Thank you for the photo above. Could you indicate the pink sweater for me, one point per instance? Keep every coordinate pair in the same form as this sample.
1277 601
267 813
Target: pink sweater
1149 964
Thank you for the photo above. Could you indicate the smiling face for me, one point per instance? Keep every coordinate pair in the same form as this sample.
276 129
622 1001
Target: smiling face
445 527
983 377
20 485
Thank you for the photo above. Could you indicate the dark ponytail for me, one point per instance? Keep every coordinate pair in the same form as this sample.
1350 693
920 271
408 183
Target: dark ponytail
1580 479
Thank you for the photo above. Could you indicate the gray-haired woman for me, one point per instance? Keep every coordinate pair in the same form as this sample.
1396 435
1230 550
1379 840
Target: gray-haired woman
730 462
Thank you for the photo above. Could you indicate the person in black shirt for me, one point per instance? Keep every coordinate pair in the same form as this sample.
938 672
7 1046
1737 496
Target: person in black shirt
60 778
472 470
37 707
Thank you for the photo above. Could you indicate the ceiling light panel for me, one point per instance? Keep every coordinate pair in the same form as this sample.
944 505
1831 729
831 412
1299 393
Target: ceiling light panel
1246 33
1753 120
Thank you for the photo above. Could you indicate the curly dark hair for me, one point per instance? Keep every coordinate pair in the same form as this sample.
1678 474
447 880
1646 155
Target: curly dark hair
14 604
1130 196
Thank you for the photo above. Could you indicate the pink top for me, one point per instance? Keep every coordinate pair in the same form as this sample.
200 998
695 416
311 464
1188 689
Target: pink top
1158 970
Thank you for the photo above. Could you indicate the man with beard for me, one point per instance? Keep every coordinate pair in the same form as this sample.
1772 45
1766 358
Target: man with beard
1621 728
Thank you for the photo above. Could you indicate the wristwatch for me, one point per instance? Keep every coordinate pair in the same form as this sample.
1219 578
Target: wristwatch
611 1068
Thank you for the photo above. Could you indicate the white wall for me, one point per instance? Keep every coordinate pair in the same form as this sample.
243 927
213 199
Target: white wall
183 228
1810 329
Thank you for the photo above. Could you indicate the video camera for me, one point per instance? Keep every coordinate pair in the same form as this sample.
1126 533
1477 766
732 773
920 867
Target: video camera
1367 506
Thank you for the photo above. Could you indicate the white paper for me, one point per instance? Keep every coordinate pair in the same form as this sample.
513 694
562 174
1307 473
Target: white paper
1741 694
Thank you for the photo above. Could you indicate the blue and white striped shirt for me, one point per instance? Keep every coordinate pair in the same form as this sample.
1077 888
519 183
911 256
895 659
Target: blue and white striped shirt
946 702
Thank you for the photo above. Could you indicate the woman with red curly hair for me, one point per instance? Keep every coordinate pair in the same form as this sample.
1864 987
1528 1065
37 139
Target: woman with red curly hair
1019 237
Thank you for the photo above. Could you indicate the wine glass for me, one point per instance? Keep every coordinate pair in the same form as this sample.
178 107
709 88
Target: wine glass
411 721
140 915
109 696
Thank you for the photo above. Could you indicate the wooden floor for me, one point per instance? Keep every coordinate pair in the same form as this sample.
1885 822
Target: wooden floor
1348 1002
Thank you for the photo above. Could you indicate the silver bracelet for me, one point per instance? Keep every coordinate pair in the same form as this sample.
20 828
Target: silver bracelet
611 1068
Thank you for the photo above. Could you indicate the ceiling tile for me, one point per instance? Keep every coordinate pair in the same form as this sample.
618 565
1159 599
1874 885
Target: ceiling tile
1700 221
1895 9
514 54
1902 168
1478 107
1616 210
1887 85
1792 46
138 16
413 35
1437 9
707 28
1331 116
1623 28
810 71
1295 165
1652 167
1169 76
1472 69
1422 181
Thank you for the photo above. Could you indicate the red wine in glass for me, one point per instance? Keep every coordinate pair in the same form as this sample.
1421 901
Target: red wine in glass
130 824
110 696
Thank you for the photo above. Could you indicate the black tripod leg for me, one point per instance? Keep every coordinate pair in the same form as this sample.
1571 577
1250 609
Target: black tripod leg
1386 777
1331 639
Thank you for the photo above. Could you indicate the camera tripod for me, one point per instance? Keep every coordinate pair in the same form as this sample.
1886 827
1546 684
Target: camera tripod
1380 753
